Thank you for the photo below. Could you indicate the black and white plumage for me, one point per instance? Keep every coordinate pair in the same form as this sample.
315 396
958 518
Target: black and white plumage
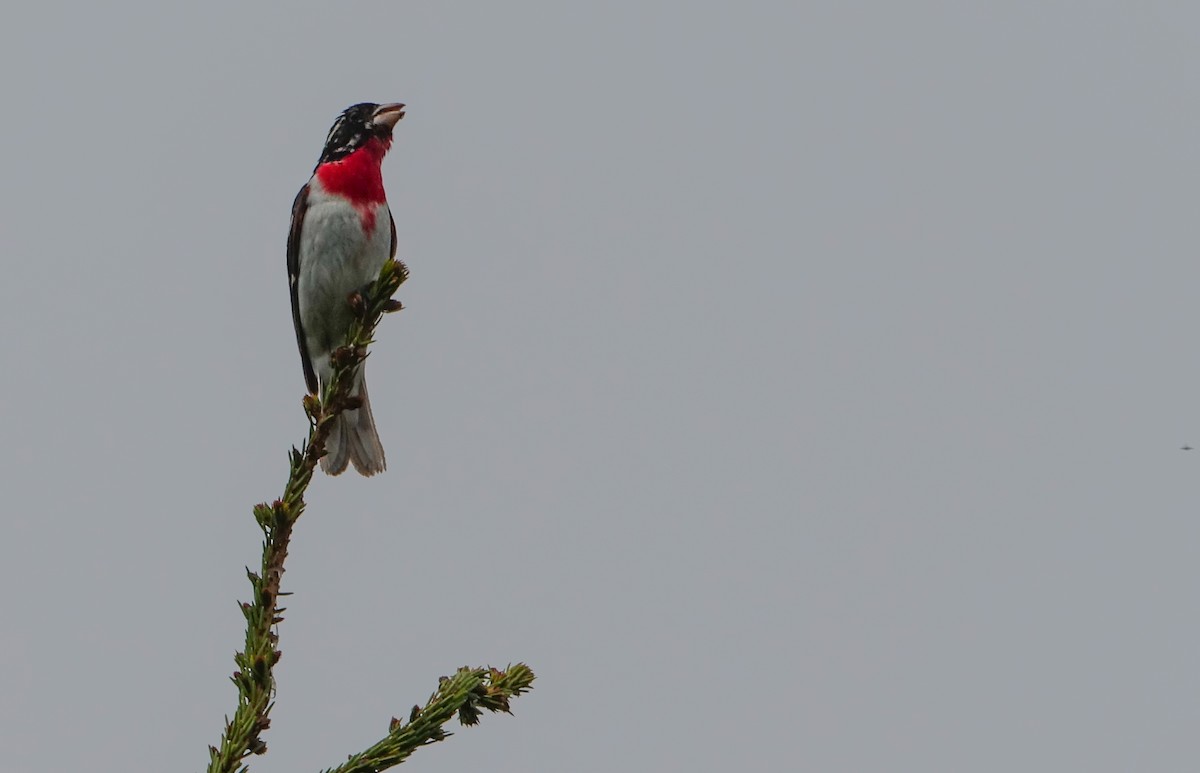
342 233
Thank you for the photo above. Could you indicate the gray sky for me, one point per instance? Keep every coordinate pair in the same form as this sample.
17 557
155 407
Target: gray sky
794 386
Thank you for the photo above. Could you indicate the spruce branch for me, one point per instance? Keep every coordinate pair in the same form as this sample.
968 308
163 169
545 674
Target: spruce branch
254 679
466 693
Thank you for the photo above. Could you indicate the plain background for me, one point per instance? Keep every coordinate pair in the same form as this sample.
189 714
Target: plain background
795 386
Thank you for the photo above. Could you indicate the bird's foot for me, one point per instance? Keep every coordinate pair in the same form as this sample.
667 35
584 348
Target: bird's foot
358 304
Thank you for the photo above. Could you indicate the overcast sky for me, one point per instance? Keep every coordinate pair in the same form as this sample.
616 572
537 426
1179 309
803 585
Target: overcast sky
795 386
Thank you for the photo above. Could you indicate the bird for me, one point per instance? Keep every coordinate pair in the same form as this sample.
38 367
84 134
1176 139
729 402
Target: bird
1185 447
341 235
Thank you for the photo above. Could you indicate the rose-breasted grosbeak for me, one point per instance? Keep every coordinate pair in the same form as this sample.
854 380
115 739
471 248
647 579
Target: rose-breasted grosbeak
342 233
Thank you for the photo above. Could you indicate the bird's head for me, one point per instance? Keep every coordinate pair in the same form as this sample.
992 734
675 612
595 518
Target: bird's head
358 126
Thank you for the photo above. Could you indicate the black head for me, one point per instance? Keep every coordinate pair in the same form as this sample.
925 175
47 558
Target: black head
356 125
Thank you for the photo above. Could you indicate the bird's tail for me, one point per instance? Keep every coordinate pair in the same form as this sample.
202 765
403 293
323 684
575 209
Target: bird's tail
353 438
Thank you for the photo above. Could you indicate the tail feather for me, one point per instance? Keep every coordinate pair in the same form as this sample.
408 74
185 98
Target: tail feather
366 450
353 438
337 451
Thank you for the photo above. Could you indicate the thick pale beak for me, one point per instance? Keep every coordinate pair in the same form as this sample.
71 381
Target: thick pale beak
388 115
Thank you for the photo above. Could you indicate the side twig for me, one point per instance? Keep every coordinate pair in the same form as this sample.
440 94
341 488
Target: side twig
464 694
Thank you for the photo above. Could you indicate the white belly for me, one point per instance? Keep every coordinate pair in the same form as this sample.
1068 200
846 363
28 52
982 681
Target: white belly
336 258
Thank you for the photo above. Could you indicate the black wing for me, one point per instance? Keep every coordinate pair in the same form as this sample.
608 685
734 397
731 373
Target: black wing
293 265
393 231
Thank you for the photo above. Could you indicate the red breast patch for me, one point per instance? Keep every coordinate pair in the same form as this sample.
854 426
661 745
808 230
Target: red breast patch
359 179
